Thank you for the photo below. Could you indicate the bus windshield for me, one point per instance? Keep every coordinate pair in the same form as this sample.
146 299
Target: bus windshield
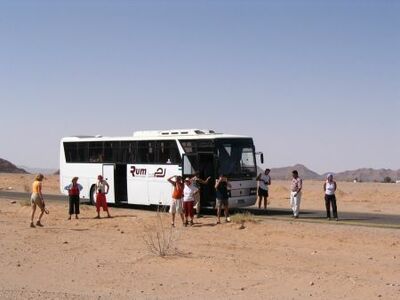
236 158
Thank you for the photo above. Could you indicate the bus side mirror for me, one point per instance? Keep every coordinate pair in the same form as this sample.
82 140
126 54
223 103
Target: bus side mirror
261 156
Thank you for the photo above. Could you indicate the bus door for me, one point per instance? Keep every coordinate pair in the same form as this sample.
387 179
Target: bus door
204 164
120 184
189 165
207 169
108 175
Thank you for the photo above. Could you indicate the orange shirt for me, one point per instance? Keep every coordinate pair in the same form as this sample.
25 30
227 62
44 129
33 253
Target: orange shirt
36 187
178 191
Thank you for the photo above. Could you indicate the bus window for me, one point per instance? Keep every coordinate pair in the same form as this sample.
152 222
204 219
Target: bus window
111 151
83 152
127 152
145 153
70 151
167 152
96 152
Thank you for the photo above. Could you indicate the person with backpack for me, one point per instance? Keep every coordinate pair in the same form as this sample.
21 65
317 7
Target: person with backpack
73 192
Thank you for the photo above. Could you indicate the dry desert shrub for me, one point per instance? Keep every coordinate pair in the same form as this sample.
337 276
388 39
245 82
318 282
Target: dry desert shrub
242 218
160 237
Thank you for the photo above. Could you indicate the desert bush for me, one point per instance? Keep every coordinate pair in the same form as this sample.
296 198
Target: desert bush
160 237
240 218
387 179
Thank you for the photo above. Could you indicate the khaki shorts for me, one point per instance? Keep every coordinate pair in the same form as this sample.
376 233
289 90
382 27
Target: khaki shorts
176 206
37 201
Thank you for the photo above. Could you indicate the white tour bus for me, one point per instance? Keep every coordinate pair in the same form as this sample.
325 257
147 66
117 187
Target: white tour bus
137 167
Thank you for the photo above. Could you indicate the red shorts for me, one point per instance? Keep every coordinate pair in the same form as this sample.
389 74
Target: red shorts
101 202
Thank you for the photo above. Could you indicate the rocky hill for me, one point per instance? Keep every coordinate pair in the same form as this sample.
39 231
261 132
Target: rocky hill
368 175
361 175
7 167
286 172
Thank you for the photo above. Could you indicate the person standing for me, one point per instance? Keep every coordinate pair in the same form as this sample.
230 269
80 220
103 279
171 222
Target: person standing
264 180
295 193
37 200
177 195
102 188
198 182
73 189
189 192
221 187
330 187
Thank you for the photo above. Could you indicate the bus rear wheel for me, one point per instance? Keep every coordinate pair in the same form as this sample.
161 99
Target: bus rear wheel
93 195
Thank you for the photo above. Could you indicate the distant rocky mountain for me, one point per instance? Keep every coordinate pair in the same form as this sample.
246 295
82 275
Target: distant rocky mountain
286 172
361 175
368 175
38 170
7 167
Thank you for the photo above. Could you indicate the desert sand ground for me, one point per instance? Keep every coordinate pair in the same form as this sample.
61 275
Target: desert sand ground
356 197
268 259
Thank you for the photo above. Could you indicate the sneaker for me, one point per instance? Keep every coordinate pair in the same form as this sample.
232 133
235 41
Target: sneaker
39 224
296 217
69 218
32 225
228 219
191 223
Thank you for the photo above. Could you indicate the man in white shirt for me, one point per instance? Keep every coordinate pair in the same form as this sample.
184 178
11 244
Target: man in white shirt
295 193
264 180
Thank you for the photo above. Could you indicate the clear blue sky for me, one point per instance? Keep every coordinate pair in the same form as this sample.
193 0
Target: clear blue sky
314 82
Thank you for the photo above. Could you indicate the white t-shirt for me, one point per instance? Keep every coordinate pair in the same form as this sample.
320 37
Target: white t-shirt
101 186
188 192
262 182
330 188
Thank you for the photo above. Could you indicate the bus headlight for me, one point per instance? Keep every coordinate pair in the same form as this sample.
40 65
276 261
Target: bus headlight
253 191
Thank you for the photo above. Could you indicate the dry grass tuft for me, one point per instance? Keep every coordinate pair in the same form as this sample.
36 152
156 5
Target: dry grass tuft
241 218
160 237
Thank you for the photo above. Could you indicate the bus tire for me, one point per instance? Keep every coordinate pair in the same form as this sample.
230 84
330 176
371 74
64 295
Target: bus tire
93 195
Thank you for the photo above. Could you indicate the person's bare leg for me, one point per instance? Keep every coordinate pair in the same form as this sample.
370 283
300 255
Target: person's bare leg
259 201
226 213
33 214
218 215
173 219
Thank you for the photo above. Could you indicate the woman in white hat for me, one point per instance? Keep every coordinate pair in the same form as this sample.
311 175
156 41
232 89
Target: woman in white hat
73 189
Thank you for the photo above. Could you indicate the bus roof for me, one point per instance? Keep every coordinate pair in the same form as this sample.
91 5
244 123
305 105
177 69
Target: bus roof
159 135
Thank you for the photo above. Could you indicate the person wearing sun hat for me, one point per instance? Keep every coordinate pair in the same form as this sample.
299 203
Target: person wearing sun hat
73 189
330 187
102 188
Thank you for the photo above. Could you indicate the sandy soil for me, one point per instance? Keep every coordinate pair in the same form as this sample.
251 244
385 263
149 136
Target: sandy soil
110 259
356 197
